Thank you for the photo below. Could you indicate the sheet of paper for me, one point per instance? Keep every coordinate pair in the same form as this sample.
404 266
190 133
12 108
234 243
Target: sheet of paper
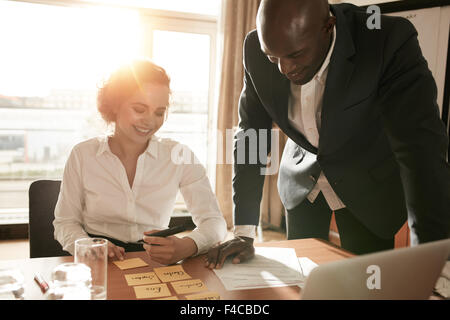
204 296
137 279
172 273
130 263
307 265
152 291
271 267
188 286
443 283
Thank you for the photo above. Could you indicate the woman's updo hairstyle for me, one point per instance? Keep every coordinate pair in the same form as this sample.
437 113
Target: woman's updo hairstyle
124 82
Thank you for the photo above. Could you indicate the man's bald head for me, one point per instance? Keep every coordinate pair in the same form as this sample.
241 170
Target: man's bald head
285 26
296 14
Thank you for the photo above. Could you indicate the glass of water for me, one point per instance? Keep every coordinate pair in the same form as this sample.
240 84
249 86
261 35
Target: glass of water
70 281
11 284
94 253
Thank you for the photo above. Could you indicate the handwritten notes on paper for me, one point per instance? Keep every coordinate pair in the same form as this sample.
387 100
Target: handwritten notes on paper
172 273
150 285
152 291
138 279
130 263
188 286
271 267
204 296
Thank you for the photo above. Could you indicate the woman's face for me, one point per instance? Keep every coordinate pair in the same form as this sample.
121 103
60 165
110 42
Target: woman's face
140 116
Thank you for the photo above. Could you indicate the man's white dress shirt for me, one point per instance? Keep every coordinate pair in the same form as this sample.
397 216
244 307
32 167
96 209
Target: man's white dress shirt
96 196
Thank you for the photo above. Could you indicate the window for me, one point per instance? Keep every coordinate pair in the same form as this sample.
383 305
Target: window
186 55
55 54
204 7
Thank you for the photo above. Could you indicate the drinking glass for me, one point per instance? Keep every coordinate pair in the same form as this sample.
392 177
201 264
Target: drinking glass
70 281
11 284
94 253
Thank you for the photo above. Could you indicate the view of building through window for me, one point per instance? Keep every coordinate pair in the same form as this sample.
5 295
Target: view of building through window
51 65
188 67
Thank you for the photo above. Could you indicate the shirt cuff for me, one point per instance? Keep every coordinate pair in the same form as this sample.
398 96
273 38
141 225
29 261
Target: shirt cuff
245 231
200 241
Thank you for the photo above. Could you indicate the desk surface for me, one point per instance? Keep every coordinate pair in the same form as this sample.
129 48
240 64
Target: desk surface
317 250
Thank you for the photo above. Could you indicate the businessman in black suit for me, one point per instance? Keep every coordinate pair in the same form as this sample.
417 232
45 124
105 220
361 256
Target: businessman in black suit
365 138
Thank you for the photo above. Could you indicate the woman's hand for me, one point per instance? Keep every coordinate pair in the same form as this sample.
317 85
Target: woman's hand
168 250
115 251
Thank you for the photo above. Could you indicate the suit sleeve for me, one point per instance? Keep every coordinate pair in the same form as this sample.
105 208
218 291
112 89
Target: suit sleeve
410 115
251 145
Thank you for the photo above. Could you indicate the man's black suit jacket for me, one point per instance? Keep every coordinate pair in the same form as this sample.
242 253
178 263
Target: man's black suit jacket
382 144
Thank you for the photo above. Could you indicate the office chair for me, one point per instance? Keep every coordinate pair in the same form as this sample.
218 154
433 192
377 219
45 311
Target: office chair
43 195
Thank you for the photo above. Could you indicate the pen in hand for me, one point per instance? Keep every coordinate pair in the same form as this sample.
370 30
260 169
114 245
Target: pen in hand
166 232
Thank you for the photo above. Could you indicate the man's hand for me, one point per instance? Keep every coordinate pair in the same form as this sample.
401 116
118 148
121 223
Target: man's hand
241 247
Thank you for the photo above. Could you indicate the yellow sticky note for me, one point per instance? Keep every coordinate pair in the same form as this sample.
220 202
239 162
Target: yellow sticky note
130 263
152 291
172 273
137 279
188 286
204 296
169 298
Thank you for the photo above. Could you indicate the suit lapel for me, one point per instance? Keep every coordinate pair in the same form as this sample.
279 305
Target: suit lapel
280 87
340 72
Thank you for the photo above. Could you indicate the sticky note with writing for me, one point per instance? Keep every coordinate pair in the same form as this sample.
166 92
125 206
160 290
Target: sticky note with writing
169 298
130 263
152 291
137 279
204 296
172 273
188 286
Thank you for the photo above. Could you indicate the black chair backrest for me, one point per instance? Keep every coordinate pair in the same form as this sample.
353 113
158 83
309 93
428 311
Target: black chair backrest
43 195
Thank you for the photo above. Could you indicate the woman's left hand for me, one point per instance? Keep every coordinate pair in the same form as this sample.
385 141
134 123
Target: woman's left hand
170 249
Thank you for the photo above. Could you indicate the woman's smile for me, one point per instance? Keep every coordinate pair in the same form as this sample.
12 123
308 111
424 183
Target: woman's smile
142 130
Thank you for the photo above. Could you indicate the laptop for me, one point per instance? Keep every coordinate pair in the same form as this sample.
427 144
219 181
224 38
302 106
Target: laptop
406 274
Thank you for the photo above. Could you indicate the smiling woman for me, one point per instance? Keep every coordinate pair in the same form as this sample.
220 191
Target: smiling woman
124 82
123 186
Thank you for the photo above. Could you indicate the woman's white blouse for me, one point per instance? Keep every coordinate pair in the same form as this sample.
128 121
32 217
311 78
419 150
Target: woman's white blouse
96 198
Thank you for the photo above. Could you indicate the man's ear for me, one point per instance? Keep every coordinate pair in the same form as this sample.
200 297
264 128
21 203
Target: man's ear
329 24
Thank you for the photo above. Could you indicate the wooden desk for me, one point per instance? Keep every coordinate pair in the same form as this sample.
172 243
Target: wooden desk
317 250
